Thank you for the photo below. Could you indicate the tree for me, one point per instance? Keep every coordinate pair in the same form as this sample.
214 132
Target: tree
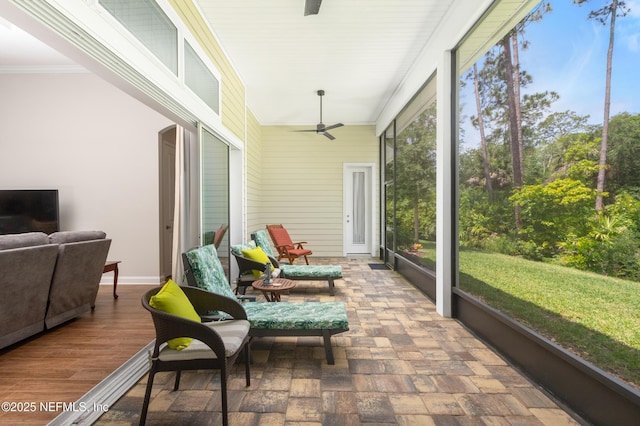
512 75
483 139
415 178
623 153
602 15
551 137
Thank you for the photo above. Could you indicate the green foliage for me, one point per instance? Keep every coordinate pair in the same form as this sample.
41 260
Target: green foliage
415 180
551 211
623 153
480 219
612 244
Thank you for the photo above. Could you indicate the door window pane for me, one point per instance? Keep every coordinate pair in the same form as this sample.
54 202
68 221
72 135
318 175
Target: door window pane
215 192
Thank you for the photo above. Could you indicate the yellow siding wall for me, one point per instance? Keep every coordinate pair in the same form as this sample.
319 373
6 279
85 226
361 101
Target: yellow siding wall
232 88
254 174
302 182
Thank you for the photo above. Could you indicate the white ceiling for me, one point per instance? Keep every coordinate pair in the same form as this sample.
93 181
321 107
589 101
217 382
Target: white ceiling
358 51
19 51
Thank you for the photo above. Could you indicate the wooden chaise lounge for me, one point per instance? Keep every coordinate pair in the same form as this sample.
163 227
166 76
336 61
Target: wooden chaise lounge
324 319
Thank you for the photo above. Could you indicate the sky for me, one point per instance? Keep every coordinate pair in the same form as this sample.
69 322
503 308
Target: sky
567 54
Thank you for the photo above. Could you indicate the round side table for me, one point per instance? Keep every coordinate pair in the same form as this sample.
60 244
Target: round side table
272 291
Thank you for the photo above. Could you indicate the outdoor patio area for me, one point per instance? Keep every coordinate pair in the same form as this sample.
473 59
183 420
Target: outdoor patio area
400 363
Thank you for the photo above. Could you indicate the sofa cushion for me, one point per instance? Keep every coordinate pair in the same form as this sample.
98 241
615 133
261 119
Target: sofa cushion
171 299
27 239
64 237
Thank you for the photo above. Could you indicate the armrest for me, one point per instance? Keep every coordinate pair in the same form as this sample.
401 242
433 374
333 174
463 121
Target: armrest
274 262
205 302
169 326
245 264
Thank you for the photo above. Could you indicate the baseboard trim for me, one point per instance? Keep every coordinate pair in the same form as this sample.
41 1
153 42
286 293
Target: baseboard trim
97 401
107 279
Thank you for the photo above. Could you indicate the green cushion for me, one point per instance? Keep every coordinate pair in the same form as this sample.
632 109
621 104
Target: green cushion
208 272
259 256
311 271
297 316
262 240
237 248
171 299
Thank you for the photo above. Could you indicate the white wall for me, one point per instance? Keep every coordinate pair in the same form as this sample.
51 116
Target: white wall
301 182
99 148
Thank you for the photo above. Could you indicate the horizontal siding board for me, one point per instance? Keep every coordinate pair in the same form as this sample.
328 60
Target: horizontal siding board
302 181
253 153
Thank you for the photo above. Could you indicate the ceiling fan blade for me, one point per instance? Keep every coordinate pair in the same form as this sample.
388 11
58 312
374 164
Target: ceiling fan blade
327 134
335 126
309 130
311 7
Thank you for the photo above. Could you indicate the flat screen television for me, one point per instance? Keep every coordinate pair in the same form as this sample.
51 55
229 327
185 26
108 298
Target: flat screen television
29 210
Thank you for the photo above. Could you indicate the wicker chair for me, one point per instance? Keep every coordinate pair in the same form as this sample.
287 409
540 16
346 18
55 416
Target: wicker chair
217 344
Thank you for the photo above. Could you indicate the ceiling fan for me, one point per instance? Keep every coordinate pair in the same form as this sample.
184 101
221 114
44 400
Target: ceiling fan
321 129
311 7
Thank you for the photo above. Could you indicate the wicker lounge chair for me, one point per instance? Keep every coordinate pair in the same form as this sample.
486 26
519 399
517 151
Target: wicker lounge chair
327 273
324 319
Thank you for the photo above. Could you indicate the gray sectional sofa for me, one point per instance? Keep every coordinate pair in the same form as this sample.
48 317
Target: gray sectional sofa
46 280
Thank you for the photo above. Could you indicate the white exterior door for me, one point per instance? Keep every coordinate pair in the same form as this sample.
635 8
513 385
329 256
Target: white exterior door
357 208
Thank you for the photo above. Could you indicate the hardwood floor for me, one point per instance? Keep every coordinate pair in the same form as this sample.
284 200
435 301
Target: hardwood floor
42 374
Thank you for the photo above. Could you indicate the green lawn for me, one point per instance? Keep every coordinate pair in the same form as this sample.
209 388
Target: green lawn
594 316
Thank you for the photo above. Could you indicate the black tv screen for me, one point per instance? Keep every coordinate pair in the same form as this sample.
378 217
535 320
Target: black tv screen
28 210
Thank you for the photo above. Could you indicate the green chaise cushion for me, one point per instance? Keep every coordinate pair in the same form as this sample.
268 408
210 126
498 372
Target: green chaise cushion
311 271
262 240
208 272
237 248
297 316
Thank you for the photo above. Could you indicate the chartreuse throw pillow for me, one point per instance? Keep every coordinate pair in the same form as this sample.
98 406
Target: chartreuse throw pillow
258 255
171 299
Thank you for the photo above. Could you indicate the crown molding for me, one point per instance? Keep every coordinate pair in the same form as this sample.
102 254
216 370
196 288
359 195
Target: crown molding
42 69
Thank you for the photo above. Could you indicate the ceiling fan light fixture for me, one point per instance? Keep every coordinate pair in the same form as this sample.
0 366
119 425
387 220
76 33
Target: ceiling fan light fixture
321 128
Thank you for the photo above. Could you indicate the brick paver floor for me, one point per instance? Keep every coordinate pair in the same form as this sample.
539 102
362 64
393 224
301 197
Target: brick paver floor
400 363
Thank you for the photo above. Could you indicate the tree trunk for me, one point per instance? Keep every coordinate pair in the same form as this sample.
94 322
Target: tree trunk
416 220
607 106
513 124
483 139
516 91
